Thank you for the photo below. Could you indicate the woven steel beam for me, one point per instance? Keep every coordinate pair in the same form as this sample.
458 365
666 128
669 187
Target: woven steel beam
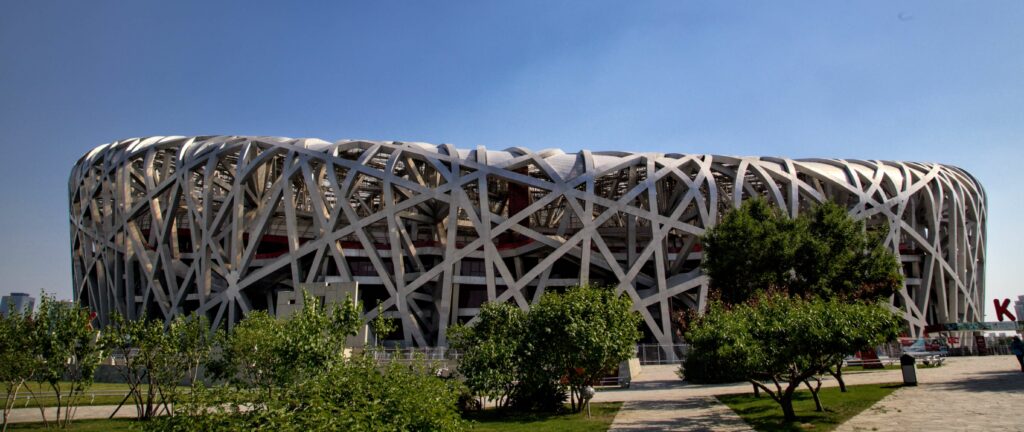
162 226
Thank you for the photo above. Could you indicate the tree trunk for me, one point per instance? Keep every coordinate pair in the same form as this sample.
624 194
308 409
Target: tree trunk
838 375
12 397
786 398
814 393
39 404
786 401
57 419
757 390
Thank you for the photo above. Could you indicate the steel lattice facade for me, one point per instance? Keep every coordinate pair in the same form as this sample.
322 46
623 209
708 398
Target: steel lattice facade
220 225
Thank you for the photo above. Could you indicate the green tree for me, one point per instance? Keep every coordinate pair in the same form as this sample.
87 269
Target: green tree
191 342
156 359
250 353
837 256
266 353
315 336
823 252
382 326
751 249
18 360
140 345
779 342
578 336
68 353
490 351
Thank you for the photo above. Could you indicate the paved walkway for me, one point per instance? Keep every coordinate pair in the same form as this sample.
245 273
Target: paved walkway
31 415
659 400
967 394
980 393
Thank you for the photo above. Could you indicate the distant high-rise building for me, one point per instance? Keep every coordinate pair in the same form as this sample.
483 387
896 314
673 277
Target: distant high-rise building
1018 308
17 303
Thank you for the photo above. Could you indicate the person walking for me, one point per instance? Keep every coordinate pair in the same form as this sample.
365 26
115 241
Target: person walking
1017 348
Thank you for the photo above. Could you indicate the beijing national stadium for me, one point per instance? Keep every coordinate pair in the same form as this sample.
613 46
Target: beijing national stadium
225 225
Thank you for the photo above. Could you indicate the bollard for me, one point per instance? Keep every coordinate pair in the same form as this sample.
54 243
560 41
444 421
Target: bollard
909 370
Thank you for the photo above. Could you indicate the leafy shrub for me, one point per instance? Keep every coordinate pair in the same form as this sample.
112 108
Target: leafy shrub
573 338
490 351
351 395
703 367
292 375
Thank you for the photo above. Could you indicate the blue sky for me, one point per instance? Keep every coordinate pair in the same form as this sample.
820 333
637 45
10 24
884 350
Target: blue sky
926 81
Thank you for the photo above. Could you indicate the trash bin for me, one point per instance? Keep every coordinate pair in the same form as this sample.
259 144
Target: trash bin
909 370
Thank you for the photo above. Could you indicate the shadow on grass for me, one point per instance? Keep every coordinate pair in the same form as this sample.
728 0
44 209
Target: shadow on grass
764 414
602 415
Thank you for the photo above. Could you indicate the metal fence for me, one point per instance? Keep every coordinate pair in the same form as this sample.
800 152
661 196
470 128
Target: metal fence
648 354
652 354
439 354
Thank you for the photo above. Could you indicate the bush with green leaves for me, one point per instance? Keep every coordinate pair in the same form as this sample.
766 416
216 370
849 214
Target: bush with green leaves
490 351
267 353
360 395
294 375
778 342
535 360
354 394
580 335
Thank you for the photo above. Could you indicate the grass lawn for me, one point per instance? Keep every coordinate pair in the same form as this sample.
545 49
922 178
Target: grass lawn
503 420
860 369
764 414
81 425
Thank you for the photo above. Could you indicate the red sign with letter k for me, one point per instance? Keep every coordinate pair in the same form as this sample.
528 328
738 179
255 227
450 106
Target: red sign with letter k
1003 309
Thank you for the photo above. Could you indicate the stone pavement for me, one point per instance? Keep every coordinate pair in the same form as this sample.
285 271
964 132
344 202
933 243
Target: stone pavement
703 413
659 400
980 393
967 394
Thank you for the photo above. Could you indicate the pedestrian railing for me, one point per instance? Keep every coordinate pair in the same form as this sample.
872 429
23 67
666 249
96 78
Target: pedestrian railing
443 354
652 354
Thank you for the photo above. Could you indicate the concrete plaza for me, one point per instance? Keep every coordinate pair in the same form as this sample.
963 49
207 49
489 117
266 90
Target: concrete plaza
967 393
